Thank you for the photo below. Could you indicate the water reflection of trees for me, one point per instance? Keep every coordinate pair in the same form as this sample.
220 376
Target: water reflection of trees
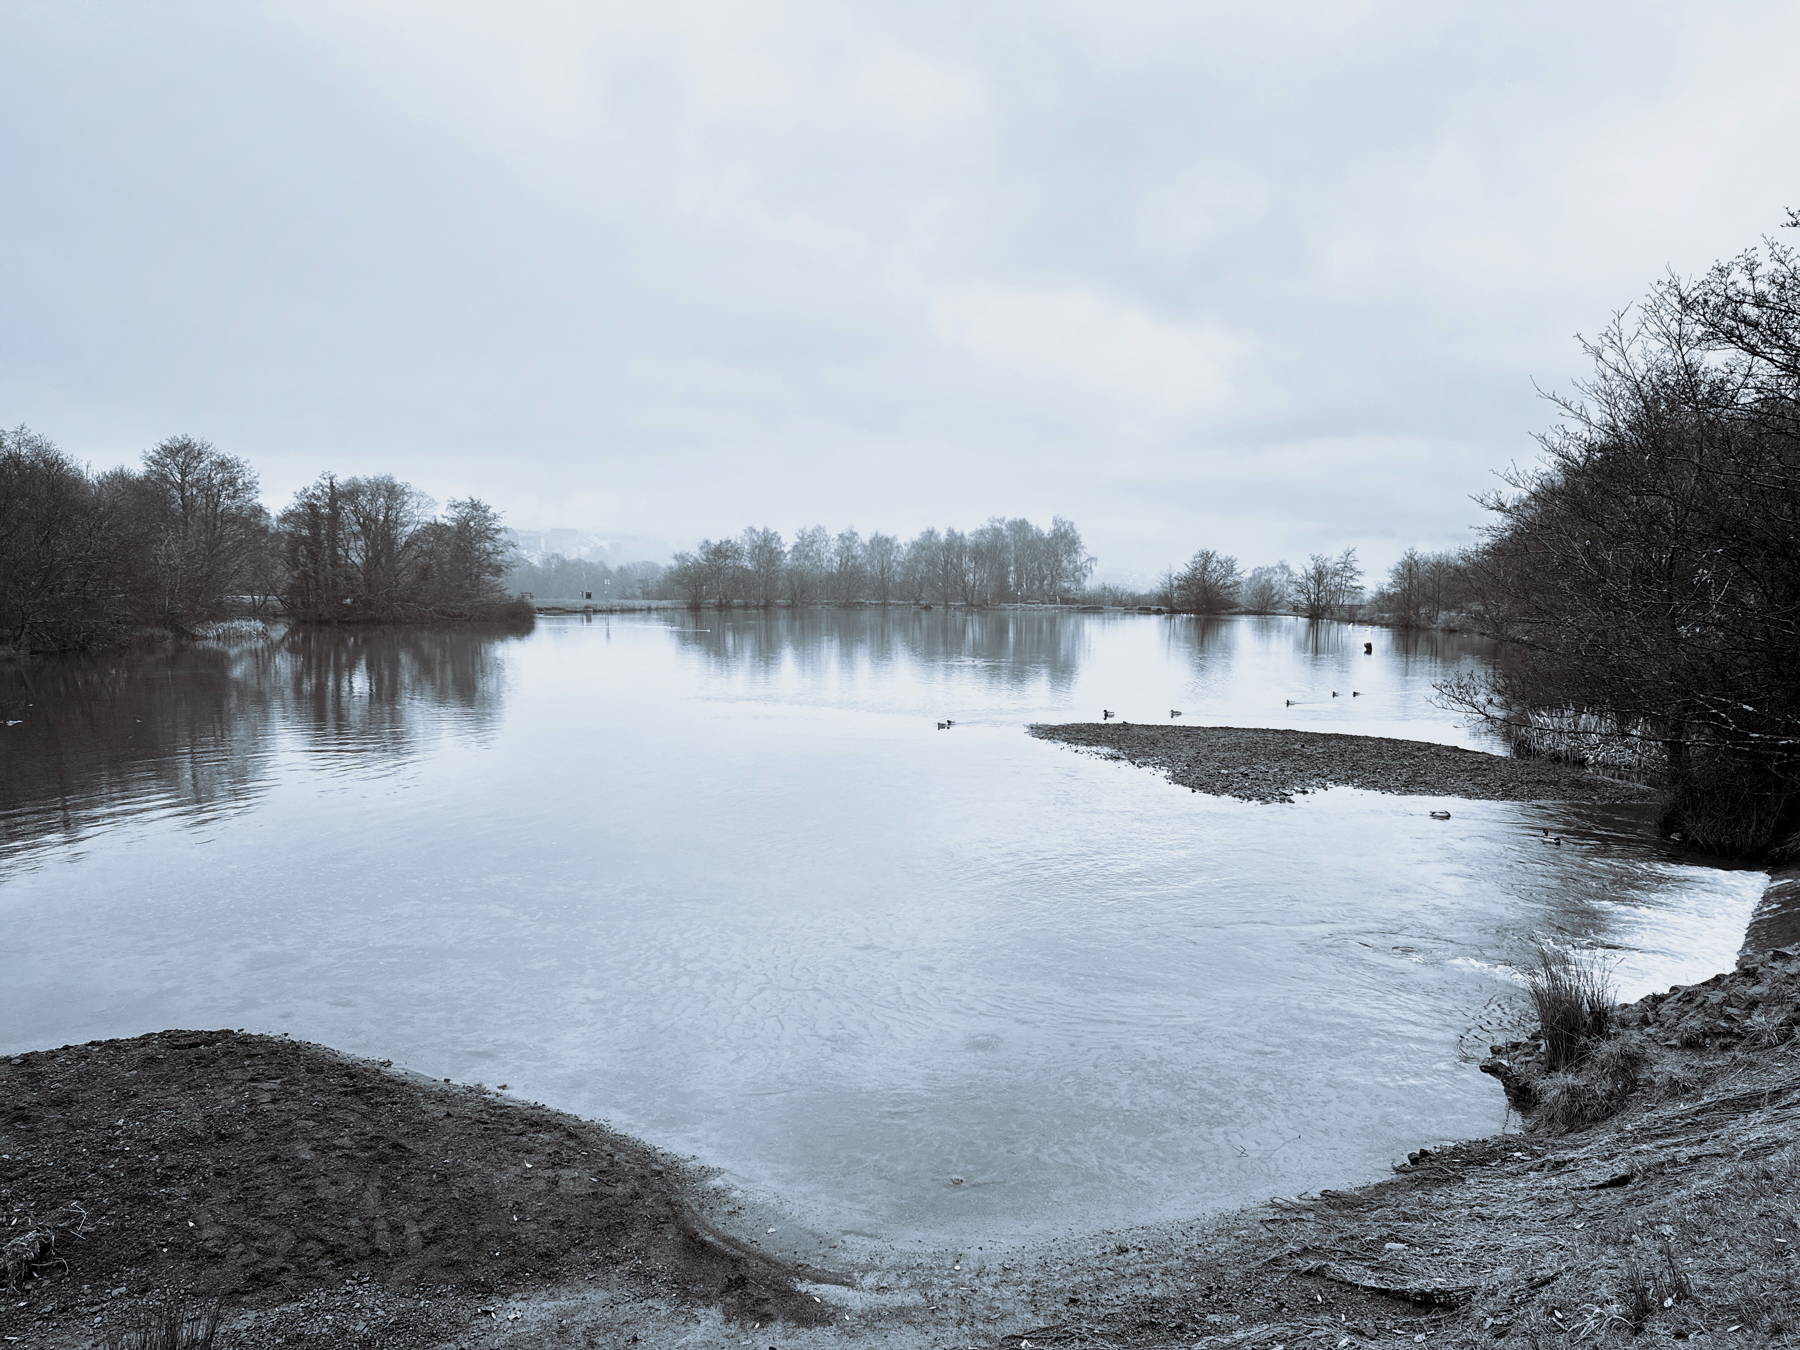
1007 647
367 690
1206 638
1214 645
192 730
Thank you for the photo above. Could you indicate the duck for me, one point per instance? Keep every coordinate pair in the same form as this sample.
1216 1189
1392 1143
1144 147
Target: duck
1174 712
1440 815
1106 713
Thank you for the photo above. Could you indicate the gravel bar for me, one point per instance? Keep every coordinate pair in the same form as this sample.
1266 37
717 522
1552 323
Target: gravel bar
1266 765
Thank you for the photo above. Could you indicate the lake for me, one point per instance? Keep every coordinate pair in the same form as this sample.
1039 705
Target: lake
720 880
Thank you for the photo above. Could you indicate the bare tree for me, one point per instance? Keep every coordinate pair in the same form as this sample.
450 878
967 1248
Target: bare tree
1421 588
1327 585
383 516
1209 584
847 567
764 558
1269 590
955 580
884 557
808 564
1068 563
924 554
203 528
64 580
461 558
989 564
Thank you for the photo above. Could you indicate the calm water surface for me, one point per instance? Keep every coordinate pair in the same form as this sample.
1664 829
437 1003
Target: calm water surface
719 880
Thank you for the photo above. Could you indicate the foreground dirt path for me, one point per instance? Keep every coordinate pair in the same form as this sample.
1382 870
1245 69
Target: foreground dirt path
1268 765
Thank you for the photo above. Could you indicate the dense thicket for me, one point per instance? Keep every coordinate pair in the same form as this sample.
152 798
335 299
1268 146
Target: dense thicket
1003 561
86 559
362 549
1649 564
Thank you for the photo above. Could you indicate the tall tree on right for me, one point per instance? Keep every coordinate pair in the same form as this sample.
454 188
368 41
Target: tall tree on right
1649 564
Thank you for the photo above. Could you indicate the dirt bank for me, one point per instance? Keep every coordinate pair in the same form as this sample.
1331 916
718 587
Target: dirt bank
276 1174
1265 765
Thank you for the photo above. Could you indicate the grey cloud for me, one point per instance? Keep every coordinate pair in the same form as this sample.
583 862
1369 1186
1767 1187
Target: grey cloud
1273 278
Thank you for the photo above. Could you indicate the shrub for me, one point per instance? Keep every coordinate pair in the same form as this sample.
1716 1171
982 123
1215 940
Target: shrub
1573 1001
169 1324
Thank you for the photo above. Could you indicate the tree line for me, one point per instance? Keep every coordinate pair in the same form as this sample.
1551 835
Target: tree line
1003 561
1422 590
183 540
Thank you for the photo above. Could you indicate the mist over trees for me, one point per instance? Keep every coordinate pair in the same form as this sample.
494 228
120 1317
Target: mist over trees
1002 562
87 559
555 576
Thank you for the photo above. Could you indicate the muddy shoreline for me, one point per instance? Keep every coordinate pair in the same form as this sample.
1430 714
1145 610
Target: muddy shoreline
329 1201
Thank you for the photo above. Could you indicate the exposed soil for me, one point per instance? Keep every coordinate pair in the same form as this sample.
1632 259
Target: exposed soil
263 1170
1268 765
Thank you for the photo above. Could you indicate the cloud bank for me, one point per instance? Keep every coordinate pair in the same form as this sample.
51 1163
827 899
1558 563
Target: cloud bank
1271 279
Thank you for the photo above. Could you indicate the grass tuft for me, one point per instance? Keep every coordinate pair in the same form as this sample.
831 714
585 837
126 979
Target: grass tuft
170 1324
1573 1000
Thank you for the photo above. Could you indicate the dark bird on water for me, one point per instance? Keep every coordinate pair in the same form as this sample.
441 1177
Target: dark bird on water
1287 702
1368 649
1334 693
1106 713
1356 693
1174 712
943 726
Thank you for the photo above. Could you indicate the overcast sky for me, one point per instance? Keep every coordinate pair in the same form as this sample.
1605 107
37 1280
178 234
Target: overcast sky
1271 278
